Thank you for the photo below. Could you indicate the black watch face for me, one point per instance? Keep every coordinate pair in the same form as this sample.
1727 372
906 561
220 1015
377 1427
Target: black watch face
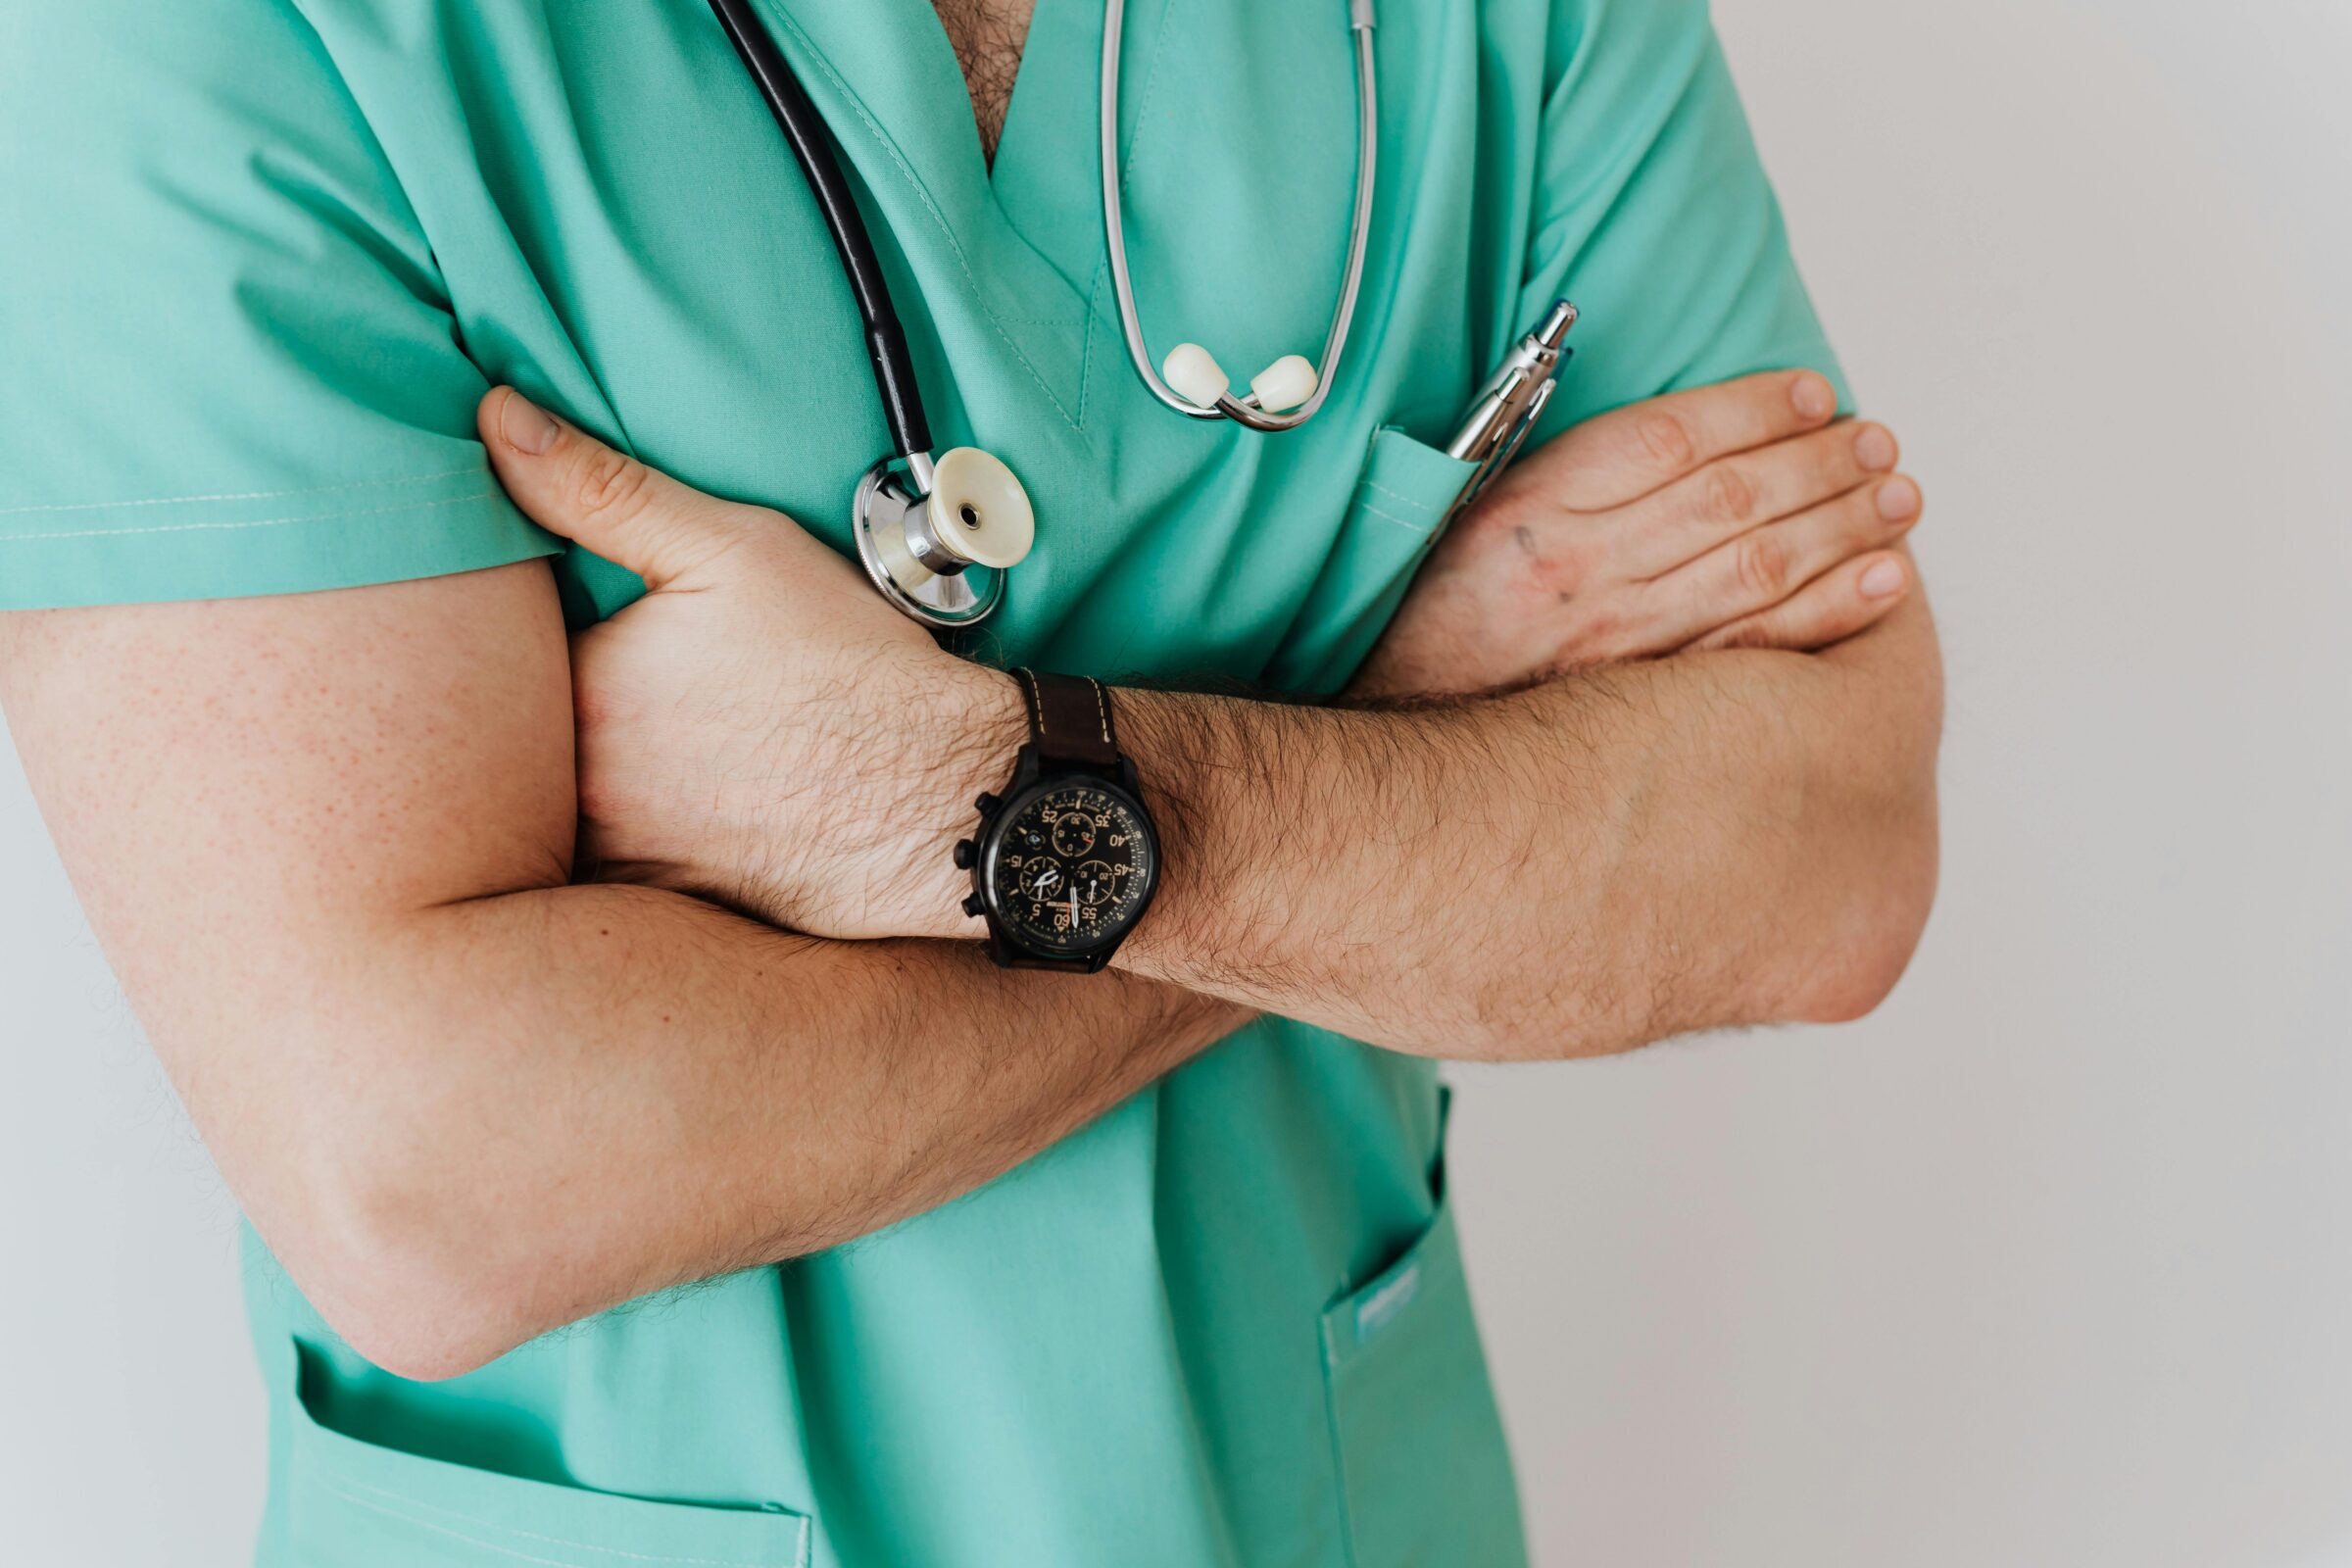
1071 869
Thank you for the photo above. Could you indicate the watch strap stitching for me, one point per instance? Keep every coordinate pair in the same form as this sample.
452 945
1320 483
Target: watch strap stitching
1058 720
1026 679
1102 707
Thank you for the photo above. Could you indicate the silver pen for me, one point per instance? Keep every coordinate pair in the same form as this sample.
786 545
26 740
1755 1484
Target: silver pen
1507 406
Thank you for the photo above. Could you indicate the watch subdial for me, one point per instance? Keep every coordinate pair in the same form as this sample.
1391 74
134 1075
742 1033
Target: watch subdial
1097 881
1073 834
1044 880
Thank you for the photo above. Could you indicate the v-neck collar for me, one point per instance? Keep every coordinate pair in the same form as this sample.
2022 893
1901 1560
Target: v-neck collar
1046 180
880 70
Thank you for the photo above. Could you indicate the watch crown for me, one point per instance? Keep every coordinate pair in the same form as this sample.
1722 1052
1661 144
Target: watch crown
965 850
987 804
974 907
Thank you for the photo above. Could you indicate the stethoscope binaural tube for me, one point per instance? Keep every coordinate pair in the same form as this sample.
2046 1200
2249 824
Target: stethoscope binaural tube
804 132
936 536
1287 393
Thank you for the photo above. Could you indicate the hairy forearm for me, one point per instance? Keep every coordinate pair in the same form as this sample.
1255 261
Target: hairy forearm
667 1092
463 1100
1585 866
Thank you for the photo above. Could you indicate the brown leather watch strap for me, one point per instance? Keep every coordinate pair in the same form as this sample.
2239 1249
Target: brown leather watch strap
1069 719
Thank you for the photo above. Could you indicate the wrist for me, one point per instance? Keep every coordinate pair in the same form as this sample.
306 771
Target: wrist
1064 855
976 727
1187 757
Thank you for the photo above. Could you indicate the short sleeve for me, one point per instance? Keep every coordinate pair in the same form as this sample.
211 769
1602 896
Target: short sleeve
230 366
1653 213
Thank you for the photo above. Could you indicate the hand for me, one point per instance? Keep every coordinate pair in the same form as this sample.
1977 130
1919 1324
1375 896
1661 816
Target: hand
1730 516
760 729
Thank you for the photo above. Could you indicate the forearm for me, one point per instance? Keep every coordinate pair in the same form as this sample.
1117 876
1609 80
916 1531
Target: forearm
667 1091
1584 866
463 1100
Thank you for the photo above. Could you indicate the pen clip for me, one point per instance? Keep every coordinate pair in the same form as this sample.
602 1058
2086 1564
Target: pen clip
1504 454
1508 447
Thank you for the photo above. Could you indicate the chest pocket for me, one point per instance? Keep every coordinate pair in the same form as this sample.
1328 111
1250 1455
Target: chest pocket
1400 502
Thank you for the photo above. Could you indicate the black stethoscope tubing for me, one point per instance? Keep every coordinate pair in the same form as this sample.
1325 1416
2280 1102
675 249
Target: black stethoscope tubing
811 146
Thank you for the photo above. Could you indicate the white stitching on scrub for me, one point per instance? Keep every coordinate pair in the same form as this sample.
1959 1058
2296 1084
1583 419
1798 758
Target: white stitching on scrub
259 522
1413 502
242 495
1391 516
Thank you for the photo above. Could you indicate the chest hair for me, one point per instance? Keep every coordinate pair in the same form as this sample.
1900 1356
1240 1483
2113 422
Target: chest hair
989 37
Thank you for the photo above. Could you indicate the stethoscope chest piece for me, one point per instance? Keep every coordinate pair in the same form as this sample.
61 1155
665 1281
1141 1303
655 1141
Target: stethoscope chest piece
937 538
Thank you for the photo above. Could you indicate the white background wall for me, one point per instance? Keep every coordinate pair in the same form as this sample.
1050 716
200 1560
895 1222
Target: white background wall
2047 1264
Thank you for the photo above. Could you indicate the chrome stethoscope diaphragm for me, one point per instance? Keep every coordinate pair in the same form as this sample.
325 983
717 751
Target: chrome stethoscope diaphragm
937 539
937 536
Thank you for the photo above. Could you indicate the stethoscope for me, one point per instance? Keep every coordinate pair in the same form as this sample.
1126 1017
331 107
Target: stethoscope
938 535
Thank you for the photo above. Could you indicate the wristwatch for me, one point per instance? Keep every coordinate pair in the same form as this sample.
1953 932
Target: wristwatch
1066 859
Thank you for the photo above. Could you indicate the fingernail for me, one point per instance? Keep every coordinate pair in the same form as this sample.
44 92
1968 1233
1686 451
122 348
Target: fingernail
526 427
1874 449
1883 581
1899 499
1813 398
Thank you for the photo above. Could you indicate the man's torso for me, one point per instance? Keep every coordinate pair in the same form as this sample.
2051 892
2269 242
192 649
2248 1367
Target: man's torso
1152 1344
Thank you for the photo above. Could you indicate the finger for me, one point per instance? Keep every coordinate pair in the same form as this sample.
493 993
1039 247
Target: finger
1766 566
1732 495
1831 608
571 483
1623 456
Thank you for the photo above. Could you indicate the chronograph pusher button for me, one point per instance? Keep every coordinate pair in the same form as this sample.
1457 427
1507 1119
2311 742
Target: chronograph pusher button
988 804
975 906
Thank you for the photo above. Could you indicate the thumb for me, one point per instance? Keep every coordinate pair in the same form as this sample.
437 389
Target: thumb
571 483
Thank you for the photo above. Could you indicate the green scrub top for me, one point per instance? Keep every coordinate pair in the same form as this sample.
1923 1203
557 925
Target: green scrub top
260 257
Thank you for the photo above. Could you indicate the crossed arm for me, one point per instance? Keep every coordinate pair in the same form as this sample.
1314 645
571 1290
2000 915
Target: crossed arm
343 905
1580 868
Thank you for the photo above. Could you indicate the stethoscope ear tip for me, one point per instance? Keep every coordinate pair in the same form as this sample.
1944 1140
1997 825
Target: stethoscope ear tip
1193 373
1196 375
1285 384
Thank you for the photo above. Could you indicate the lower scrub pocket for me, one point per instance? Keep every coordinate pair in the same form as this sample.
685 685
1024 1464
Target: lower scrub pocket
1402 500
352 1505
1423 1464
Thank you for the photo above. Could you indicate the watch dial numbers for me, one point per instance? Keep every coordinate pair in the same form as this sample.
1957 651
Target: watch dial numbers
1072 868
1073 834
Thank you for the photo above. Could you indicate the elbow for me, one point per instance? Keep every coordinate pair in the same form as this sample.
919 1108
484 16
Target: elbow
1863 950
403 1255
440 1341
394 1282
1879 842
419 1355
